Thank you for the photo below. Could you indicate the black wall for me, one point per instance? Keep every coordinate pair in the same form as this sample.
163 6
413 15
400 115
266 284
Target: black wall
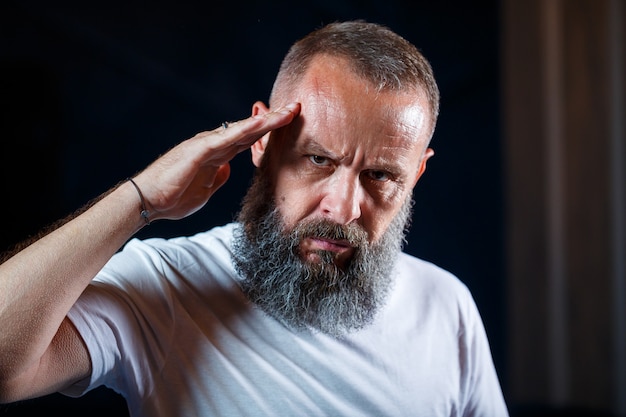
94 91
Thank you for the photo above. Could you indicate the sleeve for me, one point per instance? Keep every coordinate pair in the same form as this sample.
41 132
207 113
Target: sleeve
125 317
481 388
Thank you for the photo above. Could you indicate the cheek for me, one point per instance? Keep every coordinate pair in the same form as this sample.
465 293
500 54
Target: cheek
294 200
375 223
378 216
298 191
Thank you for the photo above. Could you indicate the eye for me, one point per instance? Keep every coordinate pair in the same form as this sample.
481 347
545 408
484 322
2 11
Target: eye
318 160
379 175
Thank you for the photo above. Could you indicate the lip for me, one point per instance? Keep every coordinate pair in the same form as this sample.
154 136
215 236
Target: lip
331 245
342 250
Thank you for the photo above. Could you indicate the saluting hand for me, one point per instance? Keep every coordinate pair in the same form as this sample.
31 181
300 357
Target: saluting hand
182 180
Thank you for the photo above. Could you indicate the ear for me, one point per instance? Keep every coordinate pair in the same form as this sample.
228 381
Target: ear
258 147
427 154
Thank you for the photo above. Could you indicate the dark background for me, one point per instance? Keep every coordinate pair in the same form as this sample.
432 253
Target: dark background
91 92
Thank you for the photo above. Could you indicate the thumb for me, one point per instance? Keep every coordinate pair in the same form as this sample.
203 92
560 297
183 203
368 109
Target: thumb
221 176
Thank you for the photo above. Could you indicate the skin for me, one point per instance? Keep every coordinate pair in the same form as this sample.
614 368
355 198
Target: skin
354 154
333 164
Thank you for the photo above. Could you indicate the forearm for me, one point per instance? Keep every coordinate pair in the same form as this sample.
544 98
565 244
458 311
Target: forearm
39 284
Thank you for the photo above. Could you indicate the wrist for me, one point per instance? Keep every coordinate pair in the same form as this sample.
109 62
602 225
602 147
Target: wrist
144 213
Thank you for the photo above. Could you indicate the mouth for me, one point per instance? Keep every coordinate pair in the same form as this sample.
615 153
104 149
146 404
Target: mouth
342 250
332 245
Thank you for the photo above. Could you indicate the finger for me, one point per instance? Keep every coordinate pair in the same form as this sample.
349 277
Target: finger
220 145
245 132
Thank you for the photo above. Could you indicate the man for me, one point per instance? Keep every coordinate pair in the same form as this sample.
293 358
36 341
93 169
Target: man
304 306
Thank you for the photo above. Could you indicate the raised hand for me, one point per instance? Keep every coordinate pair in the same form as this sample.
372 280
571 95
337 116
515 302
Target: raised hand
181 181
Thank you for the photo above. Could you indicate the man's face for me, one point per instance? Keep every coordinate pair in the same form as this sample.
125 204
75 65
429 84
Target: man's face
352 156
326 215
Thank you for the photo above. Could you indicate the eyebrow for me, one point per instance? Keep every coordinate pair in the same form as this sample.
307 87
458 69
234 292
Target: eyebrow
312 146
394 166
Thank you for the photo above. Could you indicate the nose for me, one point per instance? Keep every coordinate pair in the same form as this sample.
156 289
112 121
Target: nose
342 198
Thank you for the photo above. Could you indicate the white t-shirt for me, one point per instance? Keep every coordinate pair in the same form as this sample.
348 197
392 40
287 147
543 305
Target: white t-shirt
168 327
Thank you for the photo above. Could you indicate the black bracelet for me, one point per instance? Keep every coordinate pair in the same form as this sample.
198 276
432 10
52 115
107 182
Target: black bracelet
144 211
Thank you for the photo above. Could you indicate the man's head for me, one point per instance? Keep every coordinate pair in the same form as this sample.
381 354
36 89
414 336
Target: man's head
386 60
333 191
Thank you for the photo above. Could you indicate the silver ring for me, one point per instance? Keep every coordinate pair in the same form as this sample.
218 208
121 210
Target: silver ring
225 125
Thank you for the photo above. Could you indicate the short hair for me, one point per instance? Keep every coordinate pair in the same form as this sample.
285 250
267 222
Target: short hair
374 52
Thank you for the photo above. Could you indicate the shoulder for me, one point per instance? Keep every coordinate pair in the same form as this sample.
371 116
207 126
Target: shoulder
420 274
203 255
213 243
214 238
424 289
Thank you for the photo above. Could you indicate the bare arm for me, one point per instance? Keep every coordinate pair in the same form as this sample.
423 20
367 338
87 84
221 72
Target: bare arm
40 351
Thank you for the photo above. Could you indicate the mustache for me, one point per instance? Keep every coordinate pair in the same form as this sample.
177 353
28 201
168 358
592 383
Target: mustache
351 233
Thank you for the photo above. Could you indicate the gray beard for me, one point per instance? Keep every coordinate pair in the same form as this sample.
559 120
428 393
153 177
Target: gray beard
313 295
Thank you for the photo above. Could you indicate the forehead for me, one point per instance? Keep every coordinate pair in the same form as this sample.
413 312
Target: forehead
339 105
